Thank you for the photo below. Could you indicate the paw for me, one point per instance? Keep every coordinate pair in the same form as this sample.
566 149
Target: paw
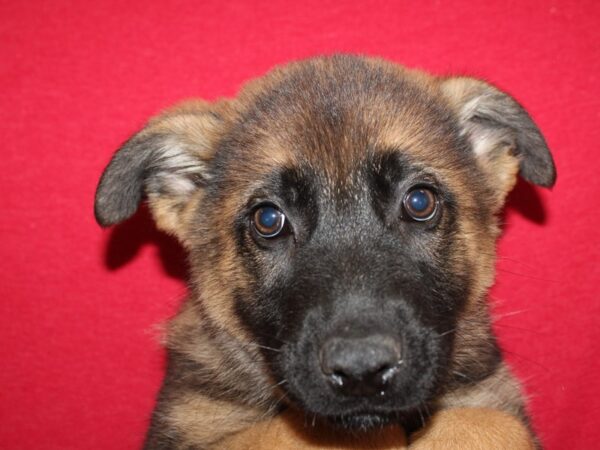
473 429
290 431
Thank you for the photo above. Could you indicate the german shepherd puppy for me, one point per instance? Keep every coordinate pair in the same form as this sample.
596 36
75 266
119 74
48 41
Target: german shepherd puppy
340 216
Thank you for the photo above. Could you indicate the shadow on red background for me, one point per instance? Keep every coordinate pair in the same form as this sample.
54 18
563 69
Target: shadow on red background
127 238
526 200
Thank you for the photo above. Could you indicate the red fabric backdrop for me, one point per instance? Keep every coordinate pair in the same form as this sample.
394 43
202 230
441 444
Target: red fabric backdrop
80 358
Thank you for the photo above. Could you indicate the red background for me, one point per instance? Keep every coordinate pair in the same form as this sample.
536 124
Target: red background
80 359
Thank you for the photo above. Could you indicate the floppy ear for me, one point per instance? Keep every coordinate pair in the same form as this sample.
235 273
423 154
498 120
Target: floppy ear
167 162
503 136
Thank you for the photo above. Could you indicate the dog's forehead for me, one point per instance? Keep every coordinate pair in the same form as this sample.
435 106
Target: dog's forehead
334 115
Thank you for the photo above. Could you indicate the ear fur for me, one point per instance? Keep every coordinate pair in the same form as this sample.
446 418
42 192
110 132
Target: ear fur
166 162
503 136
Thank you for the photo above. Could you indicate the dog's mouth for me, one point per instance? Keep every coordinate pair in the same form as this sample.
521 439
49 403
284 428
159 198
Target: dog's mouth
367 416
362 421
360 413
363 382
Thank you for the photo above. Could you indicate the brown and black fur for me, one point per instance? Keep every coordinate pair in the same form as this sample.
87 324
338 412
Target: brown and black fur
334 142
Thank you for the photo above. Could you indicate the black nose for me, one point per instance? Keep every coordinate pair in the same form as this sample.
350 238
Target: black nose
361 366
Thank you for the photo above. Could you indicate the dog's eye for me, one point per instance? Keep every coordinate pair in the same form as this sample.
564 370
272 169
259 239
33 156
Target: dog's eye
420 204
268 221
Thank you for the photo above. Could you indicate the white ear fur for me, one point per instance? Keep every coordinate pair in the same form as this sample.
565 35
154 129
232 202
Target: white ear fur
501 133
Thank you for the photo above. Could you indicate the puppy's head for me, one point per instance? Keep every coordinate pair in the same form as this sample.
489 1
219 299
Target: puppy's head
341 214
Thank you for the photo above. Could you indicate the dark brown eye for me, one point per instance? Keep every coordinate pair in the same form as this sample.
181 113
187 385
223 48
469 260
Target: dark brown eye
268 221
420 204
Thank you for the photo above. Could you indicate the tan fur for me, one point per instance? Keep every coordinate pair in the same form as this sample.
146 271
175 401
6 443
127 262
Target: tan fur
472 429
198 419
183 339
500 391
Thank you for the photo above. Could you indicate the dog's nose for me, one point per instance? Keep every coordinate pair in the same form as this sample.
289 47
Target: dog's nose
361 366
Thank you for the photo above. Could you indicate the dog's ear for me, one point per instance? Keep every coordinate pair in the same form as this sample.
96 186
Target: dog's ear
167 162
503 136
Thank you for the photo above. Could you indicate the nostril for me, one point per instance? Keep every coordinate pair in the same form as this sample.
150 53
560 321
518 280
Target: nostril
338 378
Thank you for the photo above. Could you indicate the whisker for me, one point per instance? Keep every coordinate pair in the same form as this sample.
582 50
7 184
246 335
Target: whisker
421 415
448 332
426 407
270 336
497 317
462 375
510 327
531 277
526 359
266 347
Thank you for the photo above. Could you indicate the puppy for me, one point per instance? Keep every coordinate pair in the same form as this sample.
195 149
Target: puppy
340 217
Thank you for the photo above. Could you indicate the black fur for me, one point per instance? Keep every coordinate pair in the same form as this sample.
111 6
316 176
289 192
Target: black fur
310 289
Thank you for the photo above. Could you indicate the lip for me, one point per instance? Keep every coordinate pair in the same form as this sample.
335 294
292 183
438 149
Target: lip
362 421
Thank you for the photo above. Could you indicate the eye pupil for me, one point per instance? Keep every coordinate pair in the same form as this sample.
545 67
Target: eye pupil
268 217
420 204
419 201
268 221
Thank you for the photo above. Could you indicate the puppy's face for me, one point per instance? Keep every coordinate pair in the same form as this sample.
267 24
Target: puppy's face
340 216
